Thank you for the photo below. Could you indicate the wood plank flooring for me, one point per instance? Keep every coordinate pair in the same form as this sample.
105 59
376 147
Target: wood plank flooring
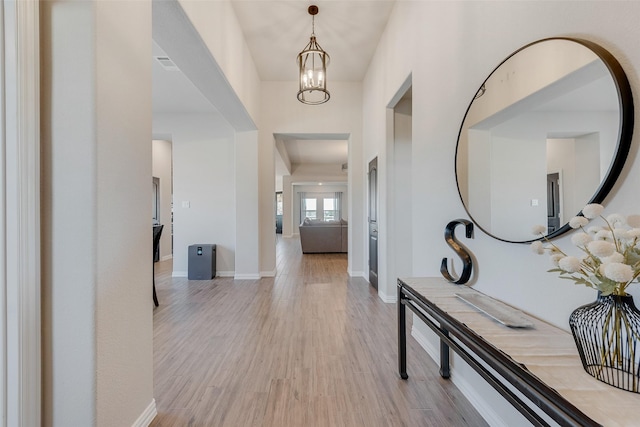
310 347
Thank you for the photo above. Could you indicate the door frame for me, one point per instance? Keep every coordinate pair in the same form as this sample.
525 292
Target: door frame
20 301
388 265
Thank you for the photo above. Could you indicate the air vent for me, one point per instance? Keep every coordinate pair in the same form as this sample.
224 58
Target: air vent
167 63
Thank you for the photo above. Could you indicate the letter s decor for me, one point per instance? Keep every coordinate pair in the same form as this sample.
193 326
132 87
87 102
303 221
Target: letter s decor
463 253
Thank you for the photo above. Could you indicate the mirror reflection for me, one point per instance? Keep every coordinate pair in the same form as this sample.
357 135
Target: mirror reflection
538 139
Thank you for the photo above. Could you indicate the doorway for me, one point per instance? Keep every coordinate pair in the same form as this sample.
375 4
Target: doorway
373 222
162 193
397 252
553 202
400 240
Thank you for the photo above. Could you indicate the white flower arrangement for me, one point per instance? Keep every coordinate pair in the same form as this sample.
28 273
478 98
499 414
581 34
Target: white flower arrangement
611 254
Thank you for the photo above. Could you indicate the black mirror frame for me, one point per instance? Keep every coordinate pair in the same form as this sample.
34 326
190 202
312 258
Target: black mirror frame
625 135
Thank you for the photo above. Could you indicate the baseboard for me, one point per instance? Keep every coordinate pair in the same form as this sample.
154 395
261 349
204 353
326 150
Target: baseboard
287 236
147 416
271 273
387 298
356 274
219 273
230 273
166 257
483 406
424 342
246 277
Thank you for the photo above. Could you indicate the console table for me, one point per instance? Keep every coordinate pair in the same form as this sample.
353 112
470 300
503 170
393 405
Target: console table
541 362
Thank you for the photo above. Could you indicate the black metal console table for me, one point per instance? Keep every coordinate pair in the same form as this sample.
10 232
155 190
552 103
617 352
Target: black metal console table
552 379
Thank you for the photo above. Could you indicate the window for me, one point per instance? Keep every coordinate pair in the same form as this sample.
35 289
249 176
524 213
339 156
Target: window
321 206
279 203
329 209
309 208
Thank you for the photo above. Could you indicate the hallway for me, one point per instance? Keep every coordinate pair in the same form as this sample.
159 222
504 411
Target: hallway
310 347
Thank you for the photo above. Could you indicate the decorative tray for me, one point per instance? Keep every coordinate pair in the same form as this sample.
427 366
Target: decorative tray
497 310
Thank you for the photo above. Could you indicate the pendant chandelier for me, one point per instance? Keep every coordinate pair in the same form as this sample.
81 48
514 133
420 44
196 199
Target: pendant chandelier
312 64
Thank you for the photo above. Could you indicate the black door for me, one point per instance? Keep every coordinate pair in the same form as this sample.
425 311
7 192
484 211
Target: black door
553 202
373 223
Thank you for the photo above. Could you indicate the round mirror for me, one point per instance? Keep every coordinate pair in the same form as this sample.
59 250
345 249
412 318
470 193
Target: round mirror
547 132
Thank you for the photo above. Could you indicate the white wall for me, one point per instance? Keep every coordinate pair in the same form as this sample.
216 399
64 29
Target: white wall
281 112
203 178
588 160
458 45
514 184
248 197
477 176
218 26
96 234
161 153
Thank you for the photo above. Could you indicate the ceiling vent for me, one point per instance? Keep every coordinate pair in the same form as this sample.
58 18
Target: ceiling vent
167 63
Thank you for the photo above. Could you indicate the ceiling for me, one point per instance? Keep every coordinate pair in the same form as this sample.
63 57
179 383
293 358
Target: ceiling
276 31
327 151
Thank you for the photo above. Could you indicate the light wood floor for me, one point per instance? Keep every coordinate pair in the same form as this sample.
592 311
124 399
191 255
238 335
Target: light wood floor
310 347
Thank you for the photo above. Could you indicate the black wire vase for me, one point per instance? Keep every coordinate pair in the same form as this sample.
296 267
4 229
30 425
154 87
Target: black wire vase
606 333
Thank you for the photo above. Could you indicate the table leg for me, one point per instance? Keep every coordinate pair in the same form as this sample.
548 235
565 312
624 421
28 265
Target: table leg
444 357
402 337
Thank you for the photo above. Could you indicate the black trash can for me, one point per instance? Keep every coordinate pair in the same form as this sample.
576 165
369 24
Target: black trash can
202 262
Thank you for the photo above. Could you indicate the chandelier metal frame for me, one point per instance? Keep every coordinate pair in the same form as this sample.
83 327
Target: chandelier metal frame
312 66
